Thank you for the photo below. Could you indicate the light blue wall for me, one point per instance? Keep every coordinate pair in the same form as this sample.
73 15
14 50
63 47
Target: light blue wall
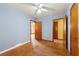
14 28
47 29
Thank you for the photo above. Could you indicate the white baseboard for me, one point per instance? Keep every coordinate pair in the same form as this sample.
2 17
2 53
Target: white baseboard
20 44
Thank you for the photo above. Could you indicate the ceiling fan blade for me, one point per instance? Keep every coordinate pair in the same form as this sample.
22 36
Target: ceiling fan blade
42 9
52 9
31 4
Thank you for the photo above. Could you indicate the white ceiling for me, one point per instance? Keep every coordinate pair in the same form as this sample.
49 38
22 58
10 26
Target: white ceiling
60 8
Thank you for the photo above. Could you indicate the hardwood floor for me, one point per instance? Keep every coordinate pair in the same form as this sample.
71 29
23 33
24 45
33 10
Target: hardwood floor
38 48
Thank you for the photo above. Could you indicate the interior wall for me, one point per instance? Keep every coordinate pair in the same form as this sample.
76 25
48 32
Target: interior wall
60 29
14 28
47 30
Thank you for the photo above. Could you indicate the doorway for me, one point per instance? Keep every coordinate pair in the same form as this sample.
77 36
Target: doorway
58 29
36 30
60 32
32 30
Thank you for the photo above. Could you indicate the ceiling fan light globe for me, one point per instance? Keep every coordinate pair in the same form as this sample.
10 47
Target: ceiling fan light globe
39 11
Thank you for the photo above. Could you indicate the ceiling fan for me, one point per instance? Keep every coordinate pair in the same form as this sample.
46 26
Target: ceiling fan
40 7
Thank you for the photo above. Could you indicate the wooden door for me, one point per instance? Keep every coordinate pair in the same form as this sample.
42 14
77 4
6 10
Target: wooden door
38 30
55 30
74 30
